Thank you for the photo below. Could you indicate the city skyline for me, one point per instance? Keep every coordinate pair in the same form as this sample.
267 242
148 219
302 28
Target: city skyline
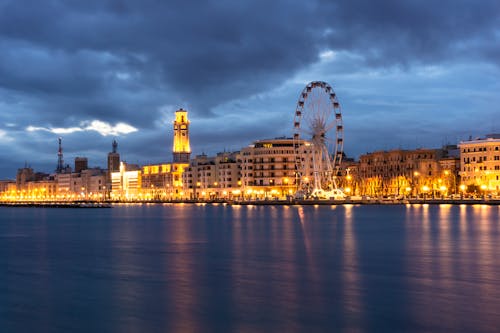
407 75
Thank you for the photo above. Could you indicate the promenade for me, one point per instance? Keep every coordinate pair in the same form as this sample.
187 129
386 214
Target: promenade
263 202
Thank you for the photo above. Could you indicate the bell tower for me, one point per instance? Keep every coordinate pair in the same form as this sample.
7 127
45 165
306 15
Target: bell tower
181 149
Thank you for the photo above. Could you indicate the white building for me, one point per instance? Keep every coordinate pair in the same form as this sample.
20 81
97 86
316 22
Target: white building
480 164
213 177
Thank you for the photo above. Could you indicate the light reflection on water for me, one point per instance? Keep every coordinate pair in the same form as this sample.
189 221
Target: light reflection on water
193 268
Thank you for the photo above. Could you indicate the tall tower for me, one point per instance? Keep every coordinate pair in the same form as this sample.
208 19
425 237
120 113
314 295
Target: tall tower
60 161
181 149
113 159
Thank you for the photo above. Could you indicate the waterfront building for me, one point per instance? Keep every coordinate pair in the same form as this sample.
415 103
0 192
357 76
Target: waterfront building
66 184
480 165
408 172
81 163
93 183
268 168
113 161
87 184
348 179
23 176
8 189
228 172
45 189
181 147
213 177
162 181
32 185
126 183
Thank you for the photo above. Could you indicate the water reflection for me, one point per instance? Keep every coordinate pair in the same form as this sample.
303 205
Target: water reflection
451 263
351 287
191 268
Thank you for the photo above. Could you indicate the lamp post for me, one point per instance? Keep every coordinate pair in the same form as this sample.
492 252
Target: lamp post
443 190
196 187
416 183
284 192
425 189
484 188
463 188
271 184
348 177
407 191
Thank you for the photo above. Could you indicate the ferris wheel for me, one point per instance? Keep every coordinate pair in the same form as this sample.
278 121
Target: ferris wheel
318 137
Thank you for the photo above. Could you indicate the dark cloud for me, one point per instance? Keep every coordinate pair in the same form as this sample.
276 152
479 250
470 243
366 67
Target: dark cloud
212 52
66 62
392 32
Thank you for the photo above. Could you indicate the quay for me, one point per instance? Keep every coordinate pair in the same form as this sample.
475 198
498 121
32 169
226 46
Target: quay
43 204
263 202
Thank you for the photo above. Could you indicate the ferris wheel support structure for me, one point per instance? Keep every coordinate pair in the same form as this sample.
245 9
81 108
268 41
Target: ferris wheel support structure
318 136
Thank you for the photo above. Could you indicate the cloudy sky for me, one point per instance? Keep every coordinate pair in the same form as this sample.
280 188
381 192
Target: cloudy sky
408 74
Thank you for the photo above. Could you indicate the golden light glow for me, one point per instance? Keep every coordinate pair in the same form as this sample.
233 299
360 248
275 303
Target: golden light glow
181 132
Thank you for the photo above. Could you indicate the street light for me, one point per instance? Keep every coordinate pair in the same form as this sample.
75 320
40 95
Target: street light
443 189
415 182
197 185
425 189
407 190
463 188
484 188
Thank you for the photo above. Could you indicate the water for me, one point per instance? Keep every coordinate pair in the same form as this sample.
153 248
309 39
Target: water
188 268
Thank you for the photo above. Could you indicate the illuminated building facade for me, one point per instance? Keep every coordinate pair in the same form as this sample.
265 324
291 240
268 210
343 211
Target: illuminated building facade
268 168
213 177
126 183
89 184
408 172
7 185
8 190
480 165
181 147
162 181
